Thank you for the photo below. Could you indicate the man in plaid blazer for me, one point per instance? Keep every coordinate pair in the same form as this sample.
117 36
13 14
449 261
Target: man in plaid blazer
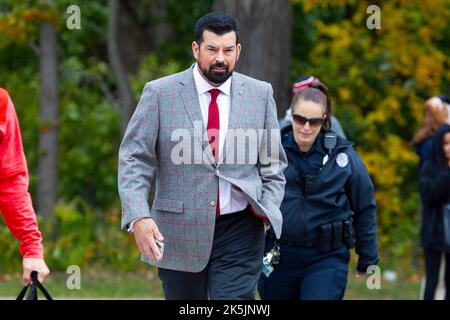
210 136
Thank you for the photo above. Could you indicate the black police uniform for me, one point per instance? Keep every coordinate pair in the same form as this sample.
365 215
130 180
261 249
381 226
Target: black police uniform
328 208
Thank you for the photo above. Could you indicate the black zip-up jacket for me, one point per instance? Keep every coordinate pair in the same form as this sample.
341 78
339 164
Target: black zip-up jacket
434 193
341 191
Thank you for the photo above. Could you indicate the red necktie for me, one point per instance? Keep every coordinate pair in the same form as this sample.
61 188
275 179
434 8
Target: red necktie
212 130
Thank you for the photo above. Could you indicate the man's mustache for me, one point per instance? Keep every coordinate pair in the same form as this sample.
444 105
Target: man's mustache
219 65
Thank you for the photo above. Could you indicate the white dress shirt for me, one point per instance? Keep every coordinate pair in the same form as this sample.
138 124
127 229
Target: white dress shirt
231 200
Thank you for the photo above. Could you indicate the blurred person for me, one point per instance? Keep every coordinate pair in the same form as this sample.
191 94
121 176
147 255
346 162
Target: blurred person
435 193
208 217
311 81
435 116
445 104
328 207
15 201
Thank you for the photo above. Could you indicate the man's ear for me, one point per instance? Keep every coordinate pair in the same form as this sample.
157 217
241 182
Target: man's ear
238 51
195 49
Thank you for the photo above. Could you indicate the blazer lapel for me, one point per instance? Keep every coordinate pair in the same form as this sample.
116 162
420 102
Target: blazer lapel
237 94
189 96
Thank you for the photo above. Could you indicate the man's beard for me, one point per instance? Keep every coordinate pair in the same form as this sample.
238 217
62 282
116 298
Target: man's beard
217 77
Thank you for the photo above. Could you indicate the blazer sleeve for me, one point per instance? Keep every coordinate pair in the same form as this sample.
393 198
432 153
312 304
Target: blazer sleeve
272 159
15 201
137 158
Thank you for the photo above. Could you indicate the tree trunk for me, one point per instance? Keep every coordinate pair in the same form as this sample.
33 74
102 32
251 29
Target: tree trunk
143 28
265 35
48 135
126 97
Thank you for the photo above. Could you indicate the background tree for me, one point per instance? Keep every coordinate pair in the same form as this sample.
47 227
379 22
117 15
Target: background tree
135 28
126 97
266 42
48 114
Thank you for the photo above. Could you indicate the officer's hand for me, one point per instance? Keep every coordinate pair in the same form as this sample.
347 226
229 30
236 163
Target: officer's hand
34 264
145 232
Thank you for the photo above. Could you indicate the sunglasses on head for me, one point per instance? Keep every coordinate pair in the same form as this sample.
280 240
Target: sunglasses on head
313 122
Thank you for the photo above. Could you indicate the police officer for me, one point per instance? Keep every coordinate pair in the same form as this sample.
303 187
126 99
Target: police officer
328 208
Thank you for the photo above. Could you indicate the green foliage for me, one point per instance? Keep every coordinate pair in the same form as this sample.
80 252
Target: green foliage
20 22
10 259
152 68
182 16
80 236
87 238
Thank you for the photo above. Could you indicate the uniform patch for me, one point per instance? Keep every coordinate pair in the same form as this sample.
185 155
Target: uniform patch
342 160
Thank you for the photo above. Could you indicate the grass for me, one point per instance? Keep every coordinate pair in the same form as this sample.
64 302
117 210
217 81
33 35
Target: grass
96 285
146 285
402 289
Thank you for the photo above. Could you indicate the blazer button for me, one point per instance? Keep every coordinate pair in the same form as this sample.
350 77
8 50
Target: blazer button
217 171
212 203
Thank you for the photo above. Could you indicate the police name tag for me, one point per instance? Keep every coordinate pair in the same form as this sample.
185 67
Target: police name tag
342 160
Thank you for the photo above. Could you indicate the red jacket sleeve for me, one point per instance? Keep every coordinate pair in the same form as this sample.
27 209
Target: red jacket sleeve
15 201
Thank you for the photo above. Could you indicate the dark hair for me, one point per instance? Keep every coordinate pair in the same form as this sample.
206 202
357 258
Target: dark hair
217 22
318 93
444 98
438 141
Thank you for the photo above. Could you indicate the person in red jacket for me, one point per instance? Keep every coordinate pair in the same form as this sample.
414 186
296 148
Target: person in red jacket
15 201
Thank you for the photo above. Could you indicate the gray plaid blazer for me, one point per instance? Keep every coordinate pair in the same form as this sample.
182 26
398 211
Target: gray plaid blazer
186 193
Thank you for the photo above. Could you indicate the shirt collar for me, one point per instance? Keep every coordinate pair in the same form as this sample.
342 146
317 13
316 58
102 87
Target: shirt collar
203 86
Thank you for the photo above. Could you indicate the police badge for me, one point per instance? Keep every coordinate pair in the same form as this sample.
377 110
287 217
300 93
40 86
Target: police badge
342 160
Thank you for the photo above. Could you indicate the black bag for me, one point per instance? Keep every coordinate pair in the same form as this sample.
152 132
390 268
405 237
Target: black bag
446 216
32 293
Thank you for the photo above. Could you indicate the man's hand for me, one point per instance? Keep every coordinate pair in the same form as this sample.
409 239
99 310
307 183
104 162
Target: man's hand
145 233
34 264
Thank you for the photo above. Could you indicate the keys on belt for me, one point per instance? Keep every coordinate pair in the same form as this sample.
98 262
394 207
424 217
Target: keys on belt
271 258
